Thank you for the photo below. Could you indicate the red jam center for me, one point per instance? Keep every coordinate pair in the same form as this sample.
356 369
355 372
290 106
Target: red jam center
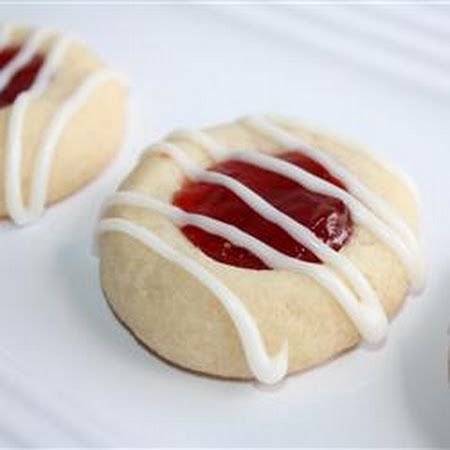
22 80
327 217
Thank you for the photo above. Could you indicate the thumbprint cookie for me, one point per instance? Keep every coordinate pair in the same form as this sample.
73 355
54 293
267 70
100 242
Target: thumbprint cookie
258 248
62 119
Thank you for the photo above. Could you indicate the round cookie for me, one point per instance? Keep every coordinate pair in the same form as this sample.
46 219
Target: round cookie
153 276
62 119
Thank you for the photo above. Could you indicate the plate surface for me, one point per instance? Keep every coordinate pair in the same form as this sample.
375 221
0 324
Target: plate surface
70 374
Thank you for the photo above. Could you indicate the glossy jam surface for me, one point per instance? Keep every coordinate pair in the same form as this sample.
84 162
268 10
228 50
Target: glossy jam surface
326 216
22 79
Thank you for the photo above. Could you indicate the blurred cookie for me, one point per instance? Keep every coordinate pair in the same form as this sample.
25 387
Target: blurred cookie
62 119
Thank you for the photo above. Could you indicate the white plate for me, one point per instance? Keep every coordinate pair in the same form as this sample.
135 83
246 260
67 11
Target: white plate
70 374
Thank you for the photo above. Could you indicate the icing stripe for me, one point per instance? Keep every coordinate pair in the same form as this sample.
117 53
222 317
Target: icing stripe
289 122
355 187
408 255
298 231
360 213
24 56
370 320
13 156
14 200
266 368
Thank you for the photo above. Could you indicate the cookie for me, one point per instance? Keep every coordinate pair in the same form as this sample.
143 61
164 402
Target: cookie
259 248
62 119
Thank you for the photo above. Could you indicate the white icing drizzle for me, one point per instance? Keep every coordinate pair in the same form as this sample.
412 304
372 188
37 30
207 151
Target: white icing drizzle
364 309
387 165
362 314
268 369
24 56
407 251
296 230
373 201
14 200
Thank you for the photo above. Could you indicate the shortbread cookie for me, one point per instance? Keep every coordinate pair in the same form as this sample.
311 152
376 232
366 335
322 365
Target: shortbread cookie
62 119
258 248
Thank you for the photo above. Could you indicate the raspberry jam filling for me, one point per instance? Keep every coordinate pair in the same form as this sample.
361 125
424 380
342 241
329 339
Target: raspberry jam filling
327 217
22 80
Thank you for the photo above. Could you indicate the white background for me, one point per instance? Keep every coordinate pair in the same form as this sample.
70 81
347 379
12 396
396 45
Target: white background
70 374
